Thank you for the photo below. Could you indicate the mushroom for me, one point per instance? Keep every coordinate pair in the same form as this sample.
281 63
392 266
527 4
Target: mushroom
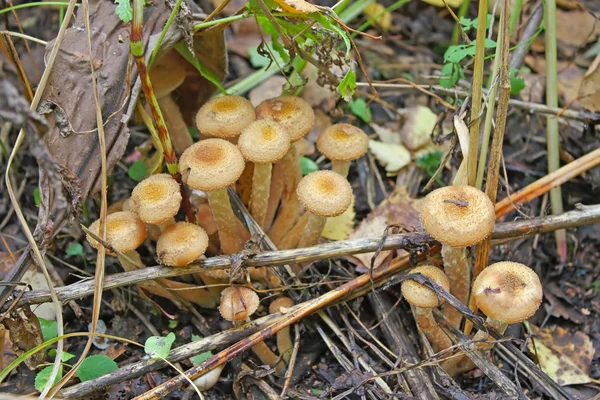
263 142
225 117
284 338
424 300
181 244
297 117
211 165
238 303
125 232
324 194
342 143
156 200
209 379
457 216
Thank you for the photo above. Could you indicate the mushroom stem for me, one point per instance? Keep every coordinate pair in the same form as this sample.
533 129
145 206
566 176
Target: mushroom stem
177 127
215 286
269 358
457 268
290 205
312 232
341 167
436 336
277 184
292 238
226 221
261 187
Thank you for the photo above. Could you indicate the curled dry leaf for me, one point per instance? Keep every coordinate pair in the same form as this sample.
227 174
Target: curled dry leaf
392 156
589 93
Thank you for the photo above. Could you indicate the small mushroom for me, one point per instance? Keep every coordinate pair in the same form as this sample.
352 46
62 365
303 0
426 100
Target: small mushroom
342 143
181 244
457 216
209 379
424 300
293 113
324 194
125 232
211 165
225 117
284 338
263 142
156 199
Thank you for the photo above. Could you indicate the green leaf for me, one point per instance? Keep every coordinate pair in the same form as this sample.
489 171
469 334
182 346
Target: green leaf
36 197
361 109
469 23
173 324
516 82
75 249
159 346
95 366
42 377
348 85
200 358
307 166
137 171
66 356
49 329
210 75
449 75
430 161
124 10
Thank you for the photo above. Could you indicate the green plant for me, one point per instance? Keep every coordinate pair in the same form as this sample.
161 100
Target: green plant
430 163
159 346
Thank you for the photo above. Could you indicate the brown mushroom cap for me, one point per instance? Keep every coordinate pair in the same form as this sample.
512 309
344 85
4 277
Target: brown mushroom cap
225 117
508 292
156 199
181 244
293 113
458 215
343 142
167 74
279 303
124 232
420 296
211 164
238 303
325 193
264 141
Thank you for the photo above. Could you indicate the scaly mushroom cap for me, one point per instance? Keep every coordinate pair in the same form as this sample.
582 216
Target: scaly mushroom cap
420 296
156 199
225 117
181 244
238 303
167 74
264 141
124 232
280 303
211 164
508 292
458 216
293 113
324 193
343 142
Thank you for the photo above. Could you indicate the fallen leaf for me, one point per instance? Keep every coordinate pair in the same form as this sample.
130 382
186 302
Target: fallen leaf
270 88
570 76
565 357
386 135
392 156
340 227
297 6
380 14
418 127
576 28
589 93
25 334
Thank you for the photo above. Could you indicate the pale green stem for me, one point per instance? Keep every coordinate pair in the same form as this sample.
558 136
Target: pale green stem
261 188
457 268
341 167
436 336
226 221
514 16
553 138
312 232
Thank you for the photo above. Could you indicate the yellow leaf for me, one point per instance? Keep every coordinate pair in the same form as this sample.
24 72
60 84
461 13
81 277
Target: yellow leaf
393 156
379 13
440 3
340 227
297 6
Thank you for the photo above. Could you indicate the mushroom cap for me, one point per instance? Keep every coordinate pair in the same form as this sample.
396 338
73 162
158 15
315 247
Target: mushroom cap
238 303
419 295
325 193
280 302
167 74
295 114
124 231
343 142
211 164
508 292
156 199
458 215
181 244
264 141
225 117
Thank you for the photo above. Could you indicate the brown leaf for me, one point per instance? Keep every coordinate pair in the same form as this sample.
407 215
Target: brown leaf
589 93
574 30
25 334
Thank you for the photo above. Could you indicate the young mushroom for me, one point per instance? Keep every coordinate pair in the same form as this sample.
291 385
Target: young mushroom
284 338
209 379
125 232
324 194
211 165
424 300
457 216
225 117
181 244
156 200
263 142
342 143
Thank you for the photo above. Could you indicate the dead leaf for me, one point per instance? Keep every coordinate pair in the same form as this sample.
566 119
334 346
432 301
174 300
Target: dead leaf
392 156
565 357
589 93
418 127
25 334
386 135
576 28
270 88
340 227
297 6
381 15
570 76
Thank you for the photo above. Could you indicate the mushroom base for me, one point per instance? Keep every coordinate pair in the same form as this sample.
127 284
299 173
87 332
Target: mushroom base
341 167
436 336
226 221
